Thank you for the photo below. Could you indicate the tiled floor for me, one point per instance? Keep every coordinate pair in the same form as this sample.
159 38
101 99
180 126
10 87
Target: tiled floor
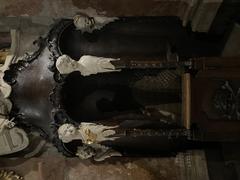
60 168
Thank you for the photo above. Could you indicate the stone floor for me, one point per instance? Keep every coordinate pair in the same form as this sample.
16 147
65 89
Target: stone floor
61 168
51 165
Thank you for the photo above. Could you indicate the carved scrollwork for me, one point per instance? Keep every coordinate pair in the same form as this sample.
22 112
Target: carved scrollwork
11 74
52 43
226 101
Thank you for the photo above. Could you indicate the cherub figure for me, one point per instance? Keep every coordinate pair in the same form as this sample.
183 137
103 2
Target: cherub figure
86 65
88 24
91 135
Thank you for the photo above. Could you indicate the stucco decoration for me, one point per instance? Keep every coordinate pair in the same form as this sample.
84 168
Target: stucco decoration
12 139
5 89
87 65
88 24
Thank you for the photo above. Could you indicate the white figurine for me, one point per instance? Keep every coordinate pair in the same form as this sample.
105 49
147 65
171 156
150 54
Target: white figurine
89 133
87 65
88 24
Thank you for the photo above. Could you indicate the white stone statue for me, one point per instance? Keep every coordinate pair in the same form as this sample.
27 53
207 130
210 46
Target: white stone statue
91 135
5 89
5 104
87 65
12 139
88 24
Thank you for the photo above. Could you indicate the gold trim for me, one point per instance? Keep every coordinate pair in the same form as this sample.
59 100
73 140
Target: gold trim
9 175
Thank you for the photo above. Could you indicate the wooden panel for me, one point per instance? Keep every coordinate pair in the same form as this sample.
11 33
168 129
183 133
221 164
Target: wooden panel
213 74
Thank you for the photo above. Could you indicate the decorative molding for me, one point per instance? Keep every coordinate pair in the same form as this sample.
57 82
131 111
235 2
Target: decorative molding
11 75
226 101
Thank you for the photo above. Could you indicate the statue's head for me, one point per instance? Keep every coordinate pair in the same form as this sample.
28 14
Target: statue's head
66 65
67 132
83 23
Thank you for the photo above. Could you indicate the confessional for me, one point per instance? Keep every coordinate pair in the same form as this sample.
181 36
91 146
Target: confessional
173 92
